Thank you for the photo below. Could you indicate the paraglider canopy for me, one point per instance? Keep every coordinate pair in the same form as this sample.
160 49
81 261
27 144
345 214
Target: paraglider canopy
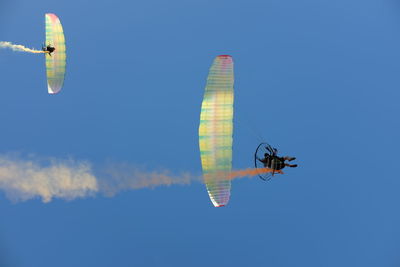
216 129
56 56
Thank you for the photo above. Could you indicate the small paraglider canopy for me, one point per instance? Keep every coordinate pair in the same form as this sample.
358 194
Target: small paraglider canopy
55 54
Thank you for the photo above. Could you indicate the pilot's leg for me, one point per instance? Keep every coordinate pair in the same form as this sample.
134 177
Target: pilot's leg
289 158
291 165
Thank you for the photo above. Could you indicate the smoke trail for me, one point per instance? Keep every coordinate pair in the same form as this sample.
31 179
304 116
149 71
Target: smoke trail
251 172
123 177
20 48
24 179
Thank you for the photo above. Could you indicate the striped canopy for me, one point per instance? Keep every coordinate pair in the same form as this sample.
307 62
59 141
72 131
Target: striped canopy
55 63
216 129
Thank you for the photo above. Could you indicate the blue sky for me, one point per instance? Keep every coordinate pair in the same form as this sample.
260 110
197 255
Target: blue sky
317 79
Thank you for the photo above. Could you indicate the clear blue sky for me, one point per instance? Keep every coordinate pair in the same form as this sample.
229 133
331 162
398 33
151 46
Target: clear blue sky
316 78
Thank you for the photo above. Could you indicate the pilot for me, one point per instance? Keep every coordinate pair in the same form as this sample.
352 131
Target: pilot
49 49
276 163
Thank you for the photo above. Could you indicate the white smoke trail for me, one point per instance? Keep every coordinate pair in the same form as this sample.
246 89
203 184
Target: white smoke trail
123 177
20 48
24 179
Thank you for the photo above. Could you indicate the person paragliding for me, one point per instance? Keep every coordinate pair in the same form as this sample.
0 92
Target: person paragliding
268 157
48 49
272 161
55 62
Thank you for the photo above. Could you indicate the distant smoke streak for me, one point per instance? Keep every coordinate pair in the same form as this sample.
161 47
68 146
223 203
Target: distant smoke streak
24 179
20 48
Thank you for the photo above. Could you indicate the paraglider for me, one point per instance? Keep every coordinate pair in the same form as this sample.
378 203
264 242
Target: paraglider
54 53
216 129
216 137
267 157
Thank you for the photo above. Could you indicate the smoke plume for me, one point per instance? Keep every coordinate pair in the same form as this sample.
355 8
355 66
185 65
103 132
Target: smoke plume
24 179
251 172
20 48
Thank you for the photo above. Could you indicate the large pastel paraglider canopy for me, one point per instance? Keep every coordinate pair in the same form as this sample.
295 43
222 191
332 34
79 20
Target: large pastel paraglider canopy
216 129
55 63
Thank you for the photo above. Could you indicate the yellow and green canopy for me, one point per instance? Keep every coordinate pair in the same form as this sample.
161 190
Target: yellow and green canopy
55 63
216 129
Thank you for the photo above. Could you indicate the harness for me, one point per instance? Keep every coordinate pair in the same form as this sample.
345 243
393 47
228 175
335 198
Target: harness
273 162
